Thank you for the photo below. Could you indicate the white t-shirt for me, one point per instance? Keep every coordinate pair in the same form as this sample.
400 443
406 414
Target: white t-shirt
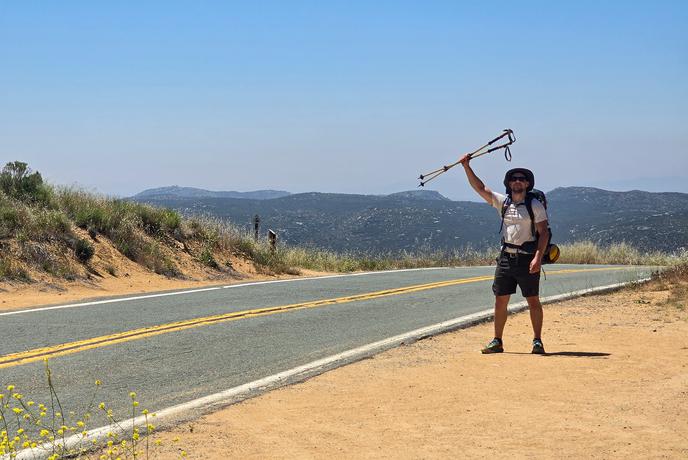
516 229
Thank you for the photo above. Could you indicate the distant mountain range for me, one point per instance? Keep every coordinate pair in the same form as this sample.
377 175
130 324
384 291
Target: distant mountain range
175 191
423 219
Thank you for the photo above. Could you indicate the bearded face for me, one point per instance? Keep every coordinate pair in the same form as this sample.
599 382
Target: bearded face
519 187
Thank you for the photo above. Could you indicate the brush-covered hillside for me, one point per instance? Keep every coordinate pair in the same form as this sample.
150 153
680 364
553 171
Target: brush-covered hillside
57 233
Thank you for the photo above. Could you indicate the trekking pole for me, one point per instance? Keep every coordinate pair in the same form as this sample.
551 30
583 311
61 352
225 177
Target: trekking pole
508 133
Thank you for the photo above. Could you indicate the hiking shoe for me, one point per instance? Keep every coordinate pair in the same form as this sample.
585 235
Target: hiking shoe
495 346
538 347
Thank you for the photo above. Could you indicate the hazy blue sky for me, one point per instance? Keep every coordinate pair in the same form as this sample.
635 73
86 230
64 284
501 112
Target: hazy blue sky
356 97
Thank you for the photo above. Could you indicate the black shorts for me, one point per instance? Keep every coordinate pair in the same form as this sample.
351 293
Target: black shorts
512 270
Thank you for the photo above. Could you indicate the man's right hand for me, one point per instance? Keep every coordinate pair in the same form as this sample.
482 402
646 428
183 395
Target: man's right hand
465 159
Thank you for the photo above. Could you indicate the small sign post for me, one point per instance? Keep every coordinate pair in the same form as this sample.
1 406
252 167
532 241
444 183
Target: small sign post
272 239
256 226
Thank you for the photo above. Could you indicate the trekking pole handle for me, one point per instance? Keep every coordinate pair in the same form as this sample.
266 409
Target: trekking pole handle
505 133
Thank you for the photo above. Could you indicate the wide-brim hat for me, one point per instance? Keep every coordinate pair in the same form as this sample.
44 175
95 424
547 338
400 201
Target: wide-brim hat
526 172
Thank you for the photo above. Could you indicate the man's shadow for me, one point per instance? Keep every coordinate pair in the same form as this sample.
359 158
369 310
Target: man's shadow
575 354
578 354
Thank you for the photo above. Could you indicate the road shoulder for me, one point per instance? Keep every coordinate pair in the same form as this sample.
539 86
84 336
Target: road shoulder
616 375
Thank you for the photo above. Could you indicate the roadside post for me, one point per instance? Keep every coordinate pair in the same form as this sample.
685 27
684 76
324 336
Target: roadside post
272 239
256 226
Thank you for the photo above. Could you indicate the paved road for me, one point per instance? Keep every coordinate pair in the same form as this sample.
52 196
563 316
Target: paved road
174 348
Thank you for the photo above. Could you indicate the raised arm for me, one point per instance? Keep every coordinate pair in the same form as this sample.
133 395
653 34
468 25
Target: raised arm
475 181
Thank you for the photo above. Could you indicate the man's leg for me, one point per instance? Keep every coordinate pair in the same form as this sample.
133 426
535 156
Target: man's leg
500 314
536 315
504 285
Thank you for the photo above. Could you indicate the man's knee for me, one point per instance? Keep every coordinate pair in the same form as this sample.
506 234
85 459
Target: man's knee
502 302
534 301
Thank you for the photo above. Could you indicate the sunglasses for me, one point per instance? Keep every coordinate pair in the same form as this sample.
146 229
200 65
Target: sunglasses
518 179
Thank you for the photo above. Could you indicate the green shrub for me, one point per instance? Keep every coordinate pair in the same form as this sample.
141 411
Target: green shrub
91 217
84 250
206 258
157 220
9 221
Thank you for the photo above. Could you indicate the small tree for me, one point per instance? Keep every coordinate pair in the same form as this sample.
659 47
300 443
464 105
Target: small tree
18 181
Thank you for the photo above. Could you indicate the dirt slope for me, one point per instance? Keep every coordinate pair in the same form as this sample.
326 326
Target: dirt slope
110 273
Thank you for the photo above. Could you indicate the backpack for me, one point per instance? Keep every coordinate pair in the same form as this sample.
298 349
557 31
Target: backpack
552 250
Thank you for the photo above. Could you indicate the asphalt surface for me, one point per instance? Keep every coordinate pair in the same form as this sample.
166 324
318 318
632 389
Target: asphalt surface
181 365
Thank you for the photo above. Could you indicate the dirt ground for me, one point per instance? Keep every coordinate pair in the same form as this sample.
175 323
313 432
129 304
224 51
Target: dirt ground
614 385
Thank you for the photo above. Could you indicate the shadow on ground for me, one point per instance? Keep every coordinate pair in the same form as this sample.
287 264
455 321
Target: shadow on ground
575 354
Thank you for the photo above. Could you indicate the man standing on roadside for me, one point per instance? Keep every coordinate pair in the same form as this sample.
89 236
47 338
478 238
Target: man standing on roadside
520 258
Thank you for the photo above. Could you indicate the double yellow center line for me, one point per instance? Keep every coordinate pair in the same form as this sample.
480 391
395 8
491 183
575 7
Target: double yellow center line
37 354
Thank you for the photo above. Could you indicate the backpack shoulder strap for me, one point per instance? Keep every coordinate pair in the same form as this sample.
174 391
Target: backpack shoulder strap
529 207
505 206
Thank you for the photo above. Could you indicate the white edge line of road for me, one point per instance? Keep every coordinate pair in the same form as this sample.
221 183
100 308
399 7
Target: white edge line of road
215 401
213 288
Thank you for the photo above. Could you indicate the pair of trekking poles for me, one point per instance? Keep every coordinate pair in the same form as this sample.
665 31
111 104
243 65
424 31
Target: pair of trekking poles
483 150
